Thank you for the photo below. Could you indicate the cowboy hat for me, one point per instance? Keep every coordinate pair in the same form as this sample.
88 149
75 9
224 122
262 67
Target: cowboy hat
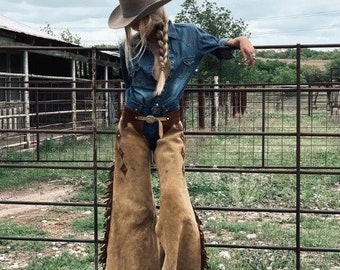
131 10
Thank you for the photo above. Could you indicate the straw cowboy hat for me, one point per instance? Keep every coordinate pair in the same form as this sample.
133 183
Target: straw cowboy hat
131 10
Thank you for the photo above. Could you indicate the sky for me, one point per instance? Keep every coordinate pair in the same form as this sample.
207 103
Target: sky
270 22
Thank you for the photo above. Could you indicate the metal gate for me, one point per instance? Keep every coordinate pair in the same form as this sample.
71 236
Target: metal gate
262 164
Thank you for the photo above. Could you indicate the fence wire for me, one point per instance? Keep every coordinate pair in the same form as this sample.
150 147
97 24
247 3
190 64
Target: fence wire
262 163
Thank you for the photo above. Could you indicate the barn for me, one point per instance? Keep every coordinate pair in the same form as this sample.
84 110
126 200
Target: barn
47 82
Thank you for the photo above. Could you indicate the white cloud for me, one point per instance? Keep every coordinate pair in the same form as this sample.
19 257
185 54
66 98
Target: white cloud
270 22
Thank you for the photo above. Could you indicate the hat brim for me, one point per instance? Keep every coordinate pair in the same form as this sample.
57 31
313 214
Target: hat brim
117 20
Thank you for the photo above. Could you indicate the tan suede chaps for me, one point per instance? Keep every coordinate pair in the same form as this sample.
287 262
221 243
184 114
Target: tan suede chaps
137 238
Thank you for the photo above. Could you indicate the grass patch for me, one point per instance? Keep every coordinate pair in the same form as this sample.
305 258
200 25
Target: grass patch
9 229
241 190
65 261
320 231
86 224
66 151
250 259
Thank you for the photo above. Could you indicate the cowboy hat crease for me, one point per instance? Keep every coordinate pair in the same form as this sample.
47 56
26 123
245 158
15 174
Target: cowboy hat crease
130 10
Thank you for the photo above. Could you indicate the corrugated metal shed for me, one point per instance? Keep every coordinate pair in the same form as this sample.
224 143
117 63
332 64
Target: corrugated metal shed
19 32
18 27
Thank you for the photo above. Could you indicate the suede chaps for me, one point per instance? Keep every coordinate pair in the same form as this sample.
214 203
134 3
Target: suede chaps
137 236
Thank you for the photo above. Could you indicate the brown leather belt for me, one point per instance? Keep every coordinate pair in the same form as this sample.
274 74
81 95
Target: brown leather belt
137 120
150 119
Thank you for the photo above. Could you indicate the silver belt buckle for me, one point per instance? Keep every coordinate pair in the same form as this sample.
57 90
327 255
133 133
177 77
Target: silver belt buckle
150 119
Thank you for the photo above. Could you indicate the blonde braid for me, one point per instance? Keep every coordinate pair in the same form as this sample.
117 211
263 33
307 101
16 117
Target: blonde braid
162 35
157 20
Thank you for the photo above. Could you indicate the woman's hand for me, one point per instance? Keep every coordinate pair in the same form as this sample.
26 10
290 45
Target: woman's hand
246 49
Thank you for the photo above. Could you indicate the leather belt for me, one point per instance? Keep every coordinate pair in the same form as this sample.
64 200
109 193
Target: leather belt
150 119
164 122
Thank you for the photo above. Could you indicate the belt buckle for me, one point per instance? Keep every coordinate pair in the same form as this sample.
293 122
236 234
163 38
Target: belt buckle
150 119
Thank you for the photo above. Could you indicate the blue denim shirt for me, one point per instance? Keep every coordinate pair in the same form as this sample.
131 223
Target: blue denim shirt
187 45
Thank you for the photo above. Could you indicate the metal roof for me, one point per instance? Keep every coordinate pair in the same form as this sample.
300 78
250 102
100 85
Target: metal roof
8 24
18 27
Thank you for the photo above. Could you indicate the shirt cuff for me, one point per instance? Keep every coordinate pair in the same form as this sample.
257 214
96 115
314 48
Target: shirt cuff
223 42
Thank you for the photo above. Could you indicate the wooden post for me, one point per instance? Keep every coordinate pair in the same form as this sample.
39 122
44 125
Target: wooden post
106 96
27 137
214 114
201 107
74 95
226 103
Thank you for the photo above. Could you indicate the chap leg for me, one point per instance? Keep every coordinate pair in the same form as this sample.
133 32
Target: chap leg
132 241
177 228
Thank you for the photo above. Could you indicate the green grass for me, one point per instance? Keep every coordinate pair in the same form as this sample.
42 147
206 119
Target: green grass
86 224
242 190
253 190
251 259
65 261
64 152
10 229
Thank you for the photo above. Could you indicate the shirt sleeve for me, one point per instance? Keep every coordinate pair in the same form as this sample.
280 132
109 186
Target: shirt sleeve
224 51
215 46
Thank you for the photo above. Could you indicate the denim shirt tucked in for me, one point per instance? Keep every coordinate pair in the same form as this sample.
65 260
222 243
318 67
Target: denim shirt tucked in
187 45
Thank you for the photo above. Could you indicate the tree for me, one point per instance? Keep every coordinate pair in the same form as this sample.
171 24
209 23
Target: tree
47 29
213 19
335 66
313 74
218 22
65 35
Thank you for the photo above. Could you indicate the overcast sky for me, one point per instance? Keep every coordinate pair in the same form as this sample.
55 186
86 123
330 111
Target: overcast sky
270 22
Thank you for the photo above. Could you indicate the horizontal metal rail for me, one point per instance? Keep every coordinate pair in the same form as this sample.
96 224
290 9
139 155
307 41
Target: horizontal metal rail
90 86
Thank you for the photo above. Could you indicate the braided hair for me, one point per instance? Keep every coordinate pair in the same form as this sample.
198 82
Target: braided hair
135 45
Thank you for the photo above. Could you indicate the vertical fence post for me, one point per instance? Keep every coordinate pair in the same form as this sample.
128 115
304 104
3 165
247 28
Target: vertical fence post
201 106
95 155
27 101
298 157
106 99
214 114
263 129
74 95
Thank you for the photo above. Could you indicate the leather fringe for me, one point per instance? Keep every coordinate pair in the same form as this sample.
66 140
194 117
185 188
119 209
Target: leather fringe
108 207
204 255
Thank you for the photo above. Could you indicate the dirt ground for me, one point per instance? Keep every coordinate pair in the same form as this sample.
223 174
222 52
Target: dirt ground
57 223
47 192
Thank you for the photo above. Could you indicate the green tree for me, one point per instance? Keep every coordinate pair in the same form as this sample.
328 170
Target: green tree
313 74
47 29
65 35
334 65
284 75
218 22
213 19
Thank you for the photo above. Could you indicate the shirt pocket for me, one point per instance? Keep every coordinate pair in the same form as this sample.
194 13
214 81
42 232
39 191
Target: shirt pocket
141 76
185 67
189 61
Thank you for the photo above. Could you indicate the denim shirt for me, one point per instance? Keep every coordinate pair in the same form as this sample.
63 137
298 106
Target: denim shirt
187 45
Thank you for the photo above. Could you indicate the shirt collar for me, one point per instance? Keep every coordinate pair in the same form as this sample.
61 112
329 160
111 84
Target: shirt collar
172 33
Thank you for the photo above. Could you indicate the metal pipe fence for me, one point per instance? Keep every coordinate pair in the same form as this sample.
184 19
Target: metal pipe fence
280 141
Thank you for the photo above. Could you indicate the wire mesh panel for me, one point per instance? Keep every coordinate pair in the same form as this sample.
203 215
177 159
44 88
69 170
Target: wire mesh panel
262 168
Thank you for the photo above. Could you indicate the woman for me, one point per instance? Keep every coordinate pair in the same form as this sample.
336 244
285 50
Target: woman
157 62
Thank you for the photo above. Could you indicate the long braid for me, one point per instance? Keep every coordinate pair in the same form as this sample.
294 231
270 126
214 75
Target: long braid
162 36
135 45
